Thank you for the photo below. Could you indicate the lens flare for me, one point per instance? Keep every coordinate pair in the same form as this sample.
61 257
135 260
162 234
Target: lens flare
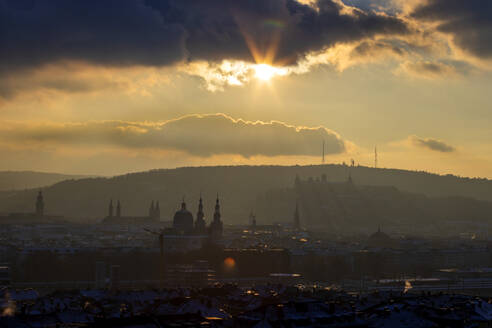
229 263
265 72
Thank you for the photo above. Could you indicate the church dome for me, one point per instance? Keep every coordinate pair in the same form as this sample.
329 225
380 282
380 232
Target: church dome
183 219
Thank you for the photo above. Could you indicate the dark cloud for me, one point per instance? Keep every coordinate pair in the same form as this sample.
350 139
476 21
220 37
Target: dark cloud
199 135
162 32
468 21
432 144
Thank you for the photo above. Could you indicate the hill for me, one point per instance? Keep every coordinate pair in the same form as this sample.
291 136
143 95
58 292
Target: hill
17 180
241 189
349 208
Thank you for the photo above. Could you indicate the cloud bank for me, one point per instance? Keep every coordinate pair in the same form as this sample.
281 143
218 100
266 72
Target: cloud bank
198 135
163 32
218 40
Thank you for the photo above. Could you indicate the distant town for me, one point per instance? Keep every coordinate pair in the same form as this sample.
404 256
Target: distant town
155 255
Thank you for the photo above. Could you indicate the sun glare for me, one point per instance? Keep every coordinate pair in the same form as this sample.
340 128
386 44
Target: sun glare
265 72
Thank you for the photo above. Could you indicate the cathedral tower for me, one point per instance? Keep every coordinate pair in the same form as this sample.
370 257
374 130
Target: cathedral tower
110 209
151 210
200 224
216 227
157 211
118 209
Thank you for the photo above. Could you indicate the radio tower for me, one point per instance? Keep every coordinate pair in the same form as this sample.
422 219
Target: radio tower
323 156
376 157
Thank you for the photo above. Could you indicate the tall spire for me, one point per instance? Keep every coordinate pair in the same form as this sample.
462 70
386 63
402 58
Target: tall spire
216 225
200 221
110 209
217 208
183 204
118 209
152 210
323 156
375 157
40 204
157 211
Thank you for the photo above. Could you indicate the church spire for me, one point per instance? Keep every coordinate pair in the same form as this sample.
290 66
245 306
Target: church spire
110 209
200 221
216 226
217 209
40 204
157 211
118 209
152 210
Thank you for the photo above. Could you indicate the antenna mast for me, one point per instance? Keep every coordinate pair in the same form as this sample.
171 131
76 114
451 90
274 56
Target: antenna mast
323 156
376 157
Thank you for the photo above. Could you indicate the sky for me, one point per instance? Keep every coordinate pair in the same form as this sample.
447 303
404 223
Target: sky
115 86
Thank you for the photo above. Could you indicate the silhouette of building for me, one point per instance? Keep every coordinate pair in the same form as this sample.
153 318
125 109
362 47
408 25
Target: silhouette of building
40 204
110 214
38 216
183 223
183 220
152 217
186 234
118 209
216 226
380 240
200 224
155 211
252 221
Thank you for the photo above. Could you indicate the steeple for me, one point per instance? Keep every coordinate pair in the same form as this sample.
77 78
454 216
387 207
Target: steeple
183 204
252 220
200 221
157 211
40 204
118 209
152 210
110 209
216 226
217 209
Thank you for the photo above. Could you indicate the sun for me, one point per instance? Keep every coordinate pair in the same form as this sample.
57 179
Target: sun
265 72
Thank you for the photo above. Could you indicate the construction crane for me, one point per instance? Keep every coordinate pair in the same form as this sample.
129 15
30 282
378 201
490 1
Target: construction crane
161 244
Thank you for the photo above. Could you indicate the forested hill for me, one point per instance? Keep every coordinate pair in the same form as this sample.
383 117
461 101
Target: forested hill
239 188
15 180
